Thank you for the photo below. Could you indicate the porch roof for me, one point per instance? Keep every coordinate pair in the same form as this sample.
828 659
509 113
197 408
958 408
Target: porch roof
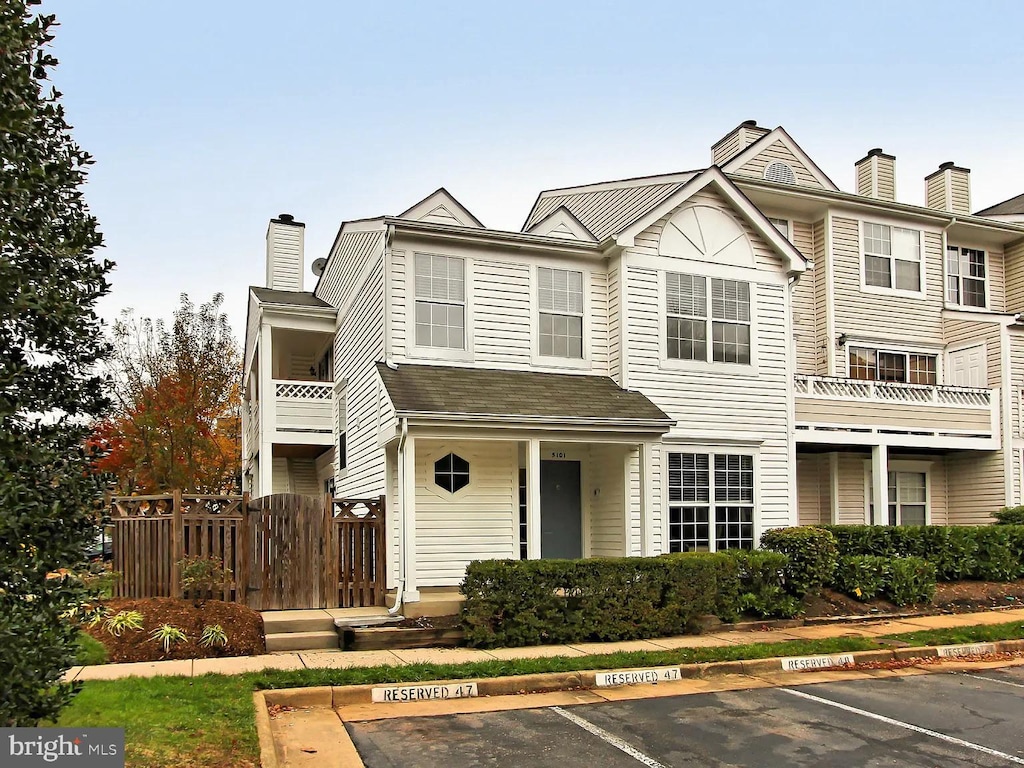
482 393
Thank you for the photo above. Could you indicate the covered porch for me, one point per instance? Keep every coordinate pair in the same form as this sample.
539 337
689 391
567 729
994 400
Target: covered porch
520 465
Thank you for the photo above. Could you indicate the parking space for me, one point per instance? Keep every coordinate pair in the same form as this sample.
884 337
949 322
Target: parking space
948 718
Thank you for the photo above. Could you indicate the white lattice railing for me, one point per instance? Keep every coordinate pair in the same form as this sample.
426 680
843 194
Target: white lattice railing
303 390
826 387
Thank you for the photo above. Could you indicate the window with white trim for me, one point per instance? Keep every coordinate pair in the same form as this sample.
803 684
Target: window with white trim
451 472
780 224
688 319
965 276
868 364
710 509
892 257
560 324
908 499
440 301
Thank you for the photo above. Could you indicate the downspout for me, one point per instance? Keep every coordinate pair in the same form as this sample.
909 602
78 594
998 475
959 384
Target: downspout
393 611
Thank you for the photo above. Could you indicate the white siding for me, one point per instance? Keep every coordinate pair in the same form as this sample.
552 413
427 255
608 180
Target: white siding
607 519
1014 277
351 256
614 323
284 257
479 522
501 314
805 297
359 344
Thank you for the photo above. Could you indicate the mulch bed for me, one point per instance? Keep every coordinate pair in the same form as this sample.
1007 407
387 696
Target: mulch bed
244 629
950 597
431 622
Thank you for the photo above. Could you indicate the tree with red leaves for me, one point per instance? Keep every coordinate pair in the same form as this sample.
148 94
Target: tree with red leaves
177 403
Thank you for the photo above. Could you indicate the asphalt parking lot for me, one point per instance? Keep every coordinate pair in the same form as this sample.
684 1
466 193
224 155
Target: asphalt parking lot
946 719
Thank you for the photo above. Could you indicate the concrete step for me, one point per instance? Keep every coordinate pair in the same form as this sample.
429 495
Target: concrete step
280 622
302 641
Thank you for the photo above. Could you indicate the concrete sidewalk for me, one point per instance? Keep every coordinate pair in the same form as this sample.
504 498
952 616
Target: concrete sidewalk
348 659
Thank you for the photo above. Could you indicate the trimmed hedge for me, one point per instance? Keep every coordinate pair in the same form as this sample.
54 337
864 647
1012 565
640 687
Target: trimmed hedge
861 576
903 580
1010 516
986 552
762 578
812 556
513 603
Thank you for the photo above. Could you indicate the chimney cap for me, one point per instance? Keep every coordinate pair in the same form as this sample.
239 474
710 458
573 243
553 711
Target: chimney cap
749 123
876 152
287 218
948 166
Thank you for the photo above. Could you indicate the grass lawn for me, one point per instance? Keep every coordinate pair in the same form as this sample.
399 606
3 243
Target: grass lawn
208 721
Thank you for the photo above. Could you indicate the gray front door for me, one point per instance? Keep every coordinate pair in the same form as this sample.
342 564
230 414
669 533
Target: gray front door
561 523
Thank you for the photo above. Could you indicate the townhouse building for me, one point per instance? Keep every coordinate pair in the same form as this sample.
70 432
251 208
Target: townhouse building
658 364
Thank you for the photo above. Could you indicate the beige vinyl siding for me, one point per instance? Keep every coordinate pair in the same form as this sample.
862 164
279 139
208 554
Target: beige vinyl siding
976 488
813 489
855 469
960 192
886 171
480 522
1016 382
822 266
1013 261
935 193
298 365
852 413
400 283
864 178
728 148
346 265
963 332
805 296
996 266
778 151
877 315
607 520
284 262
703 401
359 344
500 302
851 484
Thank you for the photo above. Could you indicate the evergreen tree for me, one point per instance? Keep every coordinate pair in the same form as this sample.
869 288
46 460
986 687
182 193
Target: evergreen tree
51 342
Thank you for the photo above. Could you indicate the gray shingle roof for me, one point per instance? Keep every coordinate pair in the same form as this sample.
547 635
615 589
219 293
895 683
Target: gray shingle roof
1014 205
295 298
486 392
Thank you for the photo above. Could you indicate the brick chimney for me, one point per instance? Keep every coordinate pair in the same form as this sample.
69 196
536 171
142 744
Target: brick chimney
734 142
949 189
285 238
876 175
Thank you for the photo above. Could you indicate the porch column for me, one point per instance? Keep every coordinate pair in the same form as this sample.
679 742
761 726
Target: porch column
268 412
646 500
533 499
880 483
408 459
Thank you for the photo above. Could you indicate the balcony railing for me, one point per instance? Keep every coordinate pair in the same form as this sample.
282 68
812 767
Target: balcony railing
891 392
304 406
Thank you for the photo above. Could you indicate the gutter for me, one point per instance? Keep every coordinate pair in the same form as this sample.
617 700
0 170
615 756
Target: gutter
652 424
402 469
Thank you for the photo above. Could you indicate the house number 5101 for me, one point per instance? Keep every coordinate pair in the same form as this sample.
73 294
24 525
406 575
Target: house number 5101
558 454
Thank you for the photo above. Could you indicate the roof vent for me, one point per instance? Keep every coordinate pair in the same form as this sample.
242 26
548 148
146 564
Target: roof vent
780 173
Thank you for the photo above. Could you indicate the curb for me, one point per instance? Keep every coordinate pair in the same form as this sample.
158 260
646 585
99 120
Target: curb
339 696
268 752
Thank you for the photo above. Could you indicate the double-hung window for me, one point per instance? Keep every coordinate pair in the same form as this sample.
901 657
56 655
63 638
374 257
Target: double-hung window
908 499
560 324
690 321
711 501
892 257
440 301
965 276
906 367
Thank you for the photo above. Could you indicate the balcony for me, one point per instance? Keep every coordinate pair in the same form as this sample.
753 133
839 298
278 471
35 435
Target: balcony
851 411
303 412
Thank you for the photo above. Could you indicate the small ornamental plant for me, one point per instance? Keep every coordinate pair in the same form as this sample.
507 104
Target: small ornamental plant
168 635
122 621
213 636
202 576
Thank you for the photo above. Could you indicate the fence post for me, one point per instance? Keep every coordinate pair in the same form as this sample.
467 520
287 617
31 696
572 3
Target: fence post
177 543
330 561
380 554
245 556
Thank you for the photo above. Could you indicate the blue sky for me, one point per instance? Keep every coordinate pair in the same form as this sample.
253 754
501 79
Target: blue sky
208 118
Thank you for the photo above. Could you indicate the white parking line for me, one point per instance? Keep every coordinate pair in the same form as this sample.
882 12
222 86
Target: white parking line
990 679
908 726
612 739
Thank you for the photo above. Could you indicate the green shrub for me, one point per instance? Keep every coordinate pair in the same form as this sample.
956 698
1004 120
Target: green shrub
812 556
861 576
1010 516
531 602
202 577
762 584
911 580
989 552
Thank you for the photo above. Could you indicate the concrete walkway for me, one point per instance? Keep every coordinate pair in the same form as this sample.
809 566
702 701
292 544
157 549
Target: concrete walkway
347 659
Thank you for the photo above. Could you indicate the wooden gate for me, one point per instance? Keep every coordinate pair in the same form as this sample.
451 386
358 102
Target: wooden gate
357 551
288 552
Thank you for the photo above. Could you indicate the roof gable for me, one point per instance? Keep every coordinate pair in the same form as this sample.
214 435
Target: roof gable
1013 206
440 207
713 178
778 146
561 223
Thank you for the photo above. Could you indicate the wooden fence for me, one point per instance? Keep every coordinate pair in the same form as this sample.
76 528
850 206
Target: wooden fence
282 551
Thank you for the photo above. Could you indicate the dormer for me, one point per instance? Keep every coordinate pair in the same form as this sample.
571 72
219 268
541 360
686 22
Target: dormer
440 207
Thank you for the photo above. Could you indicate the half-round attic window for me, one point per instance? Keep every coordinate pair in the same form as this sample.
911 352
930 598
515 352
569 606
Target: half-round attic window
451 472
779 172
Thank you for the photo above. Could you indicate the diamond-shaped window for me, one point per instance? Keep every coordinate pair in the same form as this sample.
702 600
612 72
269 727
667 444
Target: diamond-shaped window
451 473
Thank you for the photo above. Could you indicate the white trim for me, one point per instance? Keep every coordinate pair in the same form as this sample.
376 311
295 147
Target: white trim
833 476
413 351
899 465
921 293
584 363
562 216
979 316
780 135
441 197
986 254
823 434
1007 416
